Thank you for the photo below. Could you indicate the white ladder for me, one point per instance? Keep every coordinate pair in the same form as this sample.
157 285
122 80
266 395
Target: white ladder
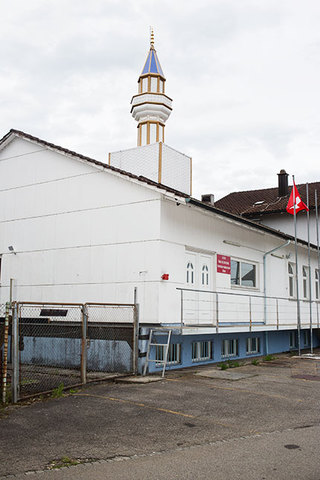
153 343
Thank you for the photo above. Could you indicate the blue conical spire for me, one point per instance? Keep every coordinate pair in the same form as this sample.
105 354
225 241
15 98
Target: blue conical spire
152 64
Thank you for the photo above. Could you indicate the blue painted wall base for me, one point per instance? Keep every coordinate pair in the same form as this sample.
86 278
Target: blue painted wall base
270 342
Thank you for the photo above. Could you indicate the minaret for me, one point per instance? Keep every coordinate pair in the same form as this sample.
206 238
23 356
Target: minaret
151 107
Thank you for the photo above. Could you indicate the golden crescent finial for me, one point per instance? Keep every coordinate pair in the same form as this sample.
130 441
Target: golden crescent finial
151 37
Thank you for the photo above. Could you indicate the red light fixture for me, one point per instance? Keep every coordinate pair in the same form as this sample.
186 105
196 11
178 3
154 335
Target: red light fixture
165 276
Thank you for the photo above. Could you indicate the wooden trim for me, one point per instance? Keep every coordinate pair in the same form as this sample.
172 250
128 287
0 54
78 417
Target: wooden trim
140 86
157 133
151 121
149 84
190 176
150 74
109 158
160 163
150 103
153 93
148 133
163 133
158 84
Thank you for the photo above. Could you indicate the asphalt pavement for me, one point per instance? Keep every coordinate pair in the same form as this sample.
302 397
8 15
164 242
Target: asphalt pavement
262 425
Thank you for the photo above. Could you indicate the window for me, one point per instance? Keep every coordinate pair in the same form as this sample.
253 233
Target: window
306 337
229 348
291 274
205 275
201 351
190 273
316 274
174 354
293 340
305 275
253 345
243 274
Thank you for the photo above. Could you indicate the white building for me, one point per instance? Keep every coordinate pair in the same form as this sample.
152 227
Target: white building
80 230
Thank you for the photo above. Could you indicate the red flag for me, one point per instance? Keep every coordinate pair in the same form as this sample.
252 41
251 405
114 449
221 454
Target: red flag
295 199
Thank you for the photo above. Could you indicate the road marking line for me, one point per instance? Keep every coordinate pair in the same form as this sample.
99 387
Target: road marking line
132 402
165 410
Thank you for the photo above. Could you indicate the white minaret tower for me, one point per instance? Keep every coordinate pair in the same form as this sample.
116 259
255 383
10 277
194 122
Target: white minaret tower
151 107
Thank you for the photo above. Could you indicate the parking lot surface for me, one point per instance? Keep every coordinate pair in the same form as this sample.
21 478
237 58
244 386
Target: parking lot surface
274 404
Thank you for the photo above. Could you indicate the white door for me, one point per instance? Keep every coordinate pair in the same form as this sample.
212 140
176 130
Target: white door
197 301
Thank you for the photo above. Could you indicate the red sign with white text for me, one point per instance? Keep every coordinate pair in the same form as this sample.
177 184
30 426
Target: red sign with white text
223 264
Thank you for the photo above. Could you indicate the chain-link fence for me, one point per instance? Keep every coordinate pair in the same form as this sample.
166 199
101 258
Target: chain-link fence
5 366
49 346
54 346
110 338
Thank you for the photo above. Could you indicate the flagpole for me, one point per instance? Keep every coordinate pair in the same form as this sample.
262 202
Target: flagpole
296 254
309 268
318 251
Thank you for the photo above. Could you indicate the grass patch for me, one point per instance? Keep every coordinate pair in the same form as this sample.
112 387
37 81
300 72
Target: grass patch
223 366
58 392
229 364
255 362
234 364
269 358
64 462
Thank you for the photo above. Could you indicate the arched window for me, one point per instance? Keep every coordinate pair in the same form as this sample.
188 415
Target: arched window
190 273
291 280
205 275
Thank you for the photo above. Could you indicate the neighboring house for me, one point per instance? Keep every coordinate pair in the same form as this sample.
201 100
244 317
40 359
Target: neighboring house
268 206
80 230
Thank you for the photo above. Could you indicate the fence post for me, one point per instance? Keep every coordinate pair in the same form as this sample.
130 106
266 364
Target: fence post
277 303
250 313
135 349
5 355
84 329
15 354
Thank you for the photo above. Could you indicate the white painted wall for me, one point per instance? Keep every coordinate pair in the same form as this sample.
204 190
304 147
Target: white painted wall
285 223
80 233
187 228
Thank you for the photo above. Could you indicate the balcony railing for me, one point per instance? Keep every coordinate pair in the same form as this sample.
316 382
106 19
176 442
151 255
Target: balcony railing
203 308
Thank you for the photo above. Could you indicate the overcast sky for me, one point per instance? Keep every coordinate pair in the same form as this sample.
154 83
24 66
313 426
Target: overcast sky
244 77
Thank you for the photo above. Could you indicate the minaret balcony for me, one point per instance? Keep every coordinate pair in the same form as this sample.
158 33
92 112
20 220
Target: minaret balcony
156 98
151 111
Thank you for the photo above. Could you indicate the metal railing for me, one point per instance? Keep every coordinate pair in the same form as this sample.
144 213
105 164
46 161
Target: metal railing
205 308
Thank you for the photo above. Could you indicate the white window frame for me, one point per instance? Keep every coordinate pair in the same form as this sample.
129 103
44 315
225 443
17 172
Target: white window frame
190 273
240 285
205 275
291 280
305 282
253 345
306 338
293 340
197 349
229 348
174 354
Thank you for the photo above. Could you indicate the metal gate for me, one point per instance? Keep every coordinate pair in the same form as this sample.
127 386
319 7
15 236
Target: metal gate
57 345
